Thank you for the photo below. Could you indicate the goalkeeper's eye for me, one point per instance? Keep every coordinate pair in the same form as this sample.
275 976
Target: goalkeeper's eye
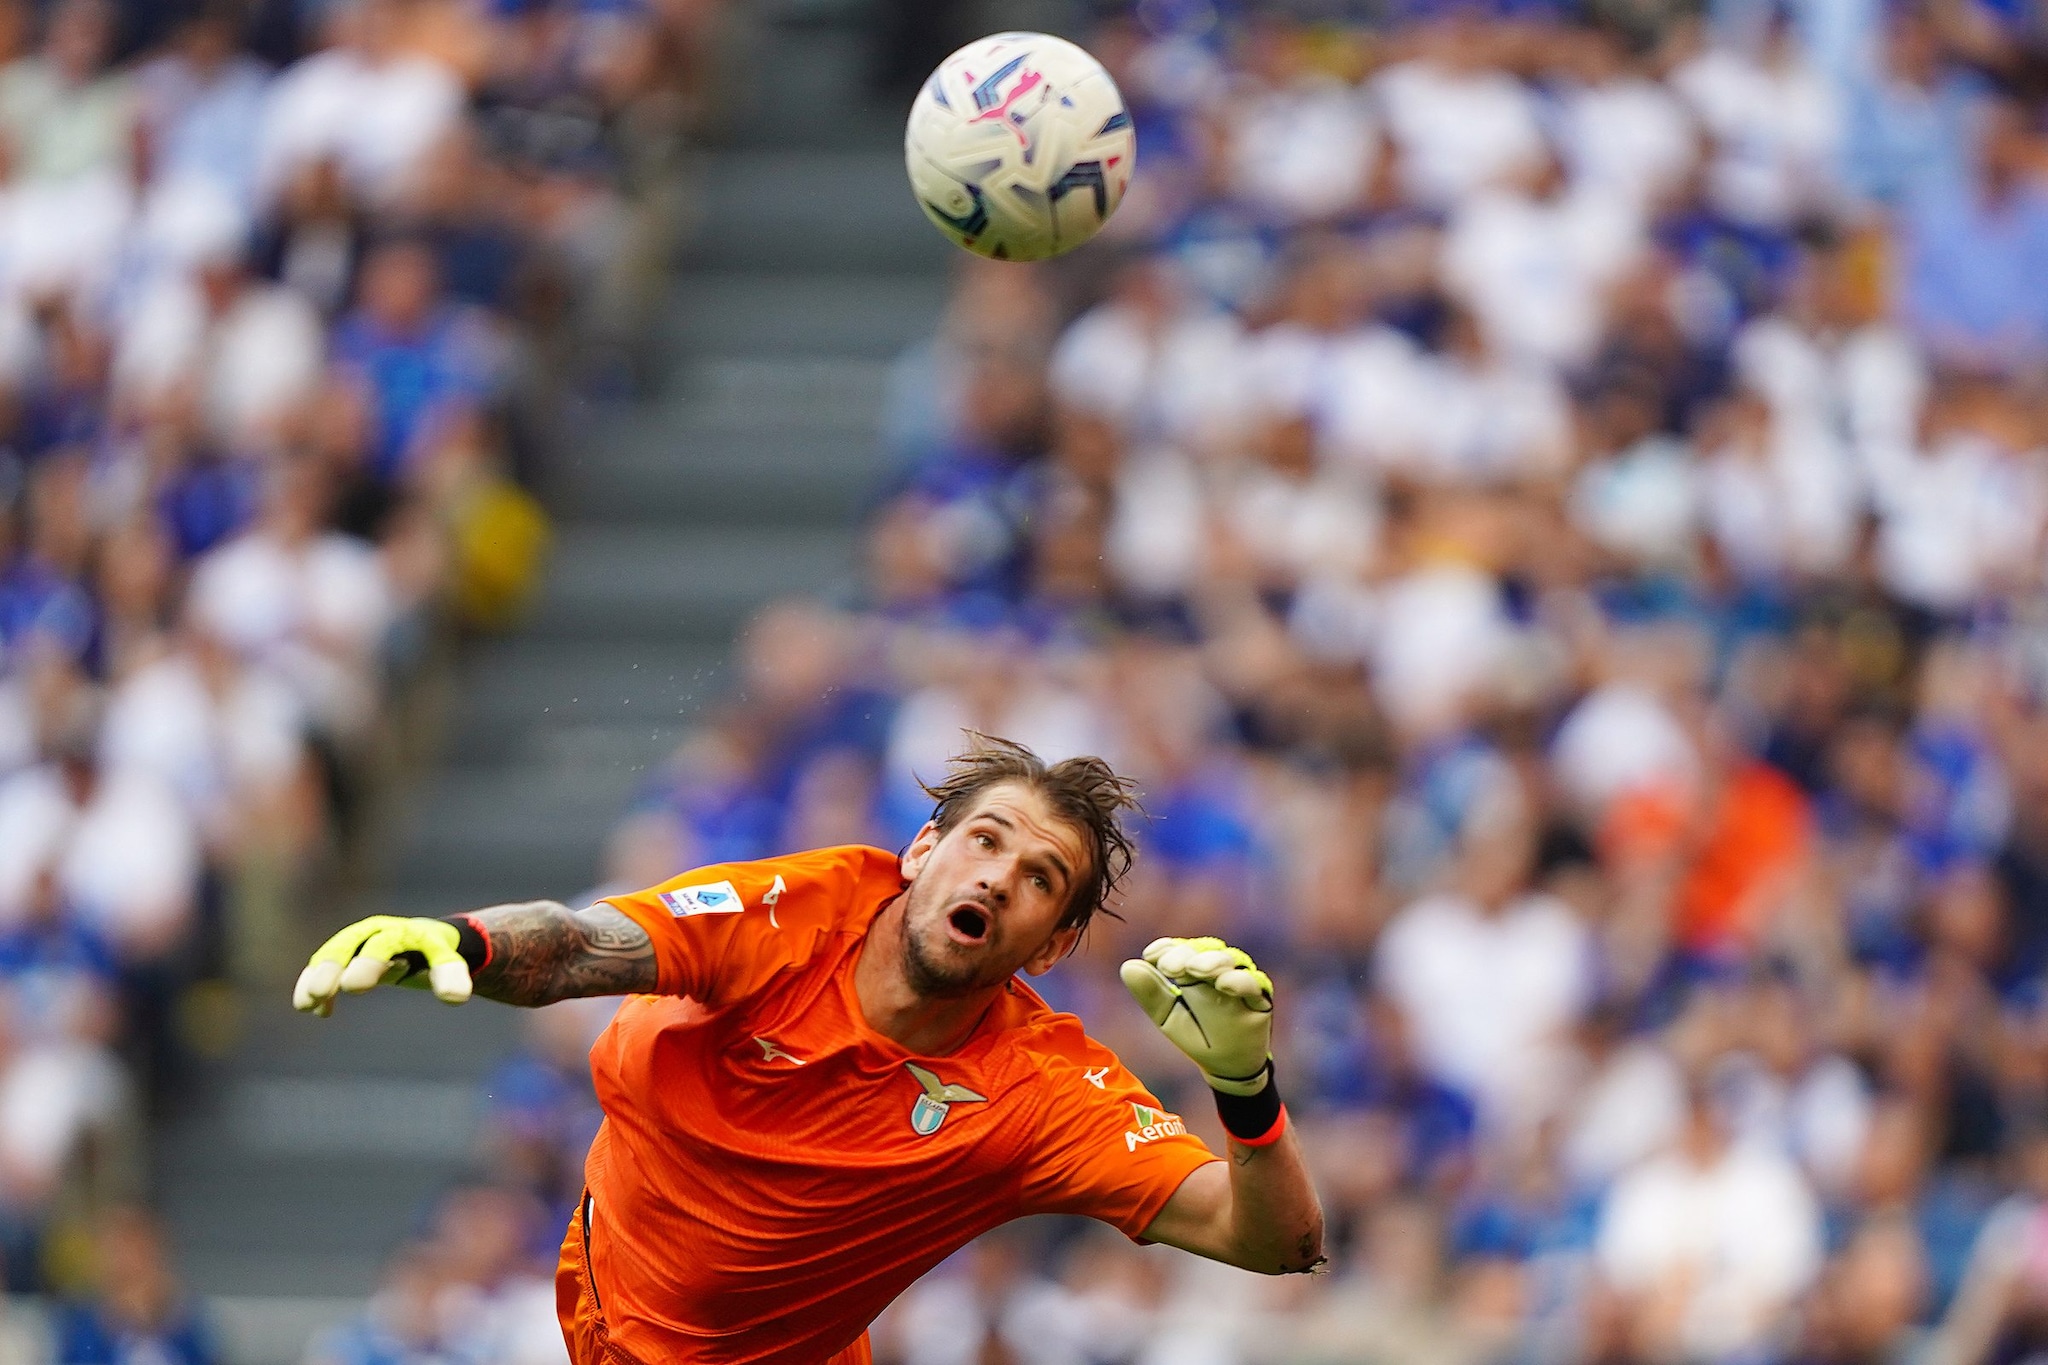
1041 883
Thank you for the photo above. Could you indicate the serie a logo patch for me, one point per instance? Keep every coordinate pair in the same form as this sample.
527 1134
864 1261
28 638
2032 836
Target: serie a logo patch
714 898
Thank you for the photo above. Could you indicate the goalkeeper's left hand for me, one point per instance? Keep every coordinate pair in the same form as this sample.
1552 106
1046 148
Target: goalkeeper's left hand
1212 1003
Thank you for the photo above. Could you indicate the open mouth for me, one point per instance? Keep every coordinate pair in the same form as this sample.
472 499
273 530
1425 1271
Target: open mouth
969 924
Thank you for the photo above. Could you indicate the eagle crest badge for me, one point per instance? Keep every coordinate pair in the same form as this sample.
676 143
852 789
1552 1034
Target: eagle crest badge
931 1108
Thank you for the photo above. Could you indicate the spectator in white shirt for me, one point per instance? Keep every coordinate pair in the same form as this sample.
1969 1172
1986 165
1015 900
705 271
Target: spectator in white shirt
1789 1093
1158 533
67 127
364 101
1490 418
1377 406
253 349
56 1091
2005 1283
131 859
64 116
1629 1107
1459 122
311 604
1960 514
1619 132
1822 357
1708 1244
1493 975
1302 143
1152 361
1624 738
989 1301
1534 256
1779 495
228 738
1291 517
126 855
1435 639
1775 125
1638 497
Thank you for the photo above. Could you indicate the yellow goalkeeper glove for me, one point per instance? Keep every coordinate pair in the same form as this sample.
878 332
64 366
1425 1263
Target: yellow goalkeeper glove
385 950
1212 1003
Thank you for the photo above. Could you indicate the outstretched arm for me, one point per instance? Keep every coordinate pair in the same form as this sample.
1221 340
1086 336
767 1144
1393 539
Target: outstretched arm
533 953
542 952
1258 1210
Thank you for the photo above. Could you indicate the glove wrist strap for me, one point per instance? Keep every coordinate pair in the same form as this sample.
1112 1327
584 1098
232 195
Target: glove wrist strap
472 942
1253 1120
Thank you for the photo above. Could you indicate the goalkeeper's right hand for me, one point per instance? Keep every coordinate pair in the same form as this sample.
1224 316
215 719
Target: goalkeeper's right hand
385 950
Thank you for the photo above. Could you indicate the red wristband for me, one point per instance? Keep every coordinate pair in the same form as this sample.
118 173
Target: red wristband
473 942
1267 1138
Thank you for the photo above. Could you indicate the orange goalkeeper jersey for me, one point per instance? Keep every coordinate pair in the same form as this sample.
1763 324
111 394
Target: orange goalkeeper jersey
771 1172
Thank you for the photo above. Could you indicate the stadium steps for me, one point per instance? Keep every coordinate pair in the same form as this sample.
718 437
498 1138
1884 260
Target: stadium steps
305 1158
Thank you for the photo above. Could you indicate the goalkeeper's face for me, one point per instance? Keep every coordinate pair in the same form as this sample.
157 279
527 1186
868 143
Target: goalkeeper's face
987 896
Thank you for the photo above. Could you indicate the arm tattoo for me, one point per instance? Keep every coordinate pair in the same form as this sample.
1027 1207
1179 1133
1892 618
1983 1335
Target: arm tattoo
542 952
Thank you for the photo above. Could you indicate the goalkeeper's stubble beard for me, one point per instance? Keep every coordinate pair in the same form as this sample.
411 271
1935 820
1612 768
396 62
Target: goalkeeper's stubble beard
940 969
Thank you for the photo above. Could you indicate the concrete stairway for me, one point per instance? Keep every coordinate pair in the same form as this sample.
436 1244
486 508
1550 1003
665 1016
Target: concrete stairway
308 1156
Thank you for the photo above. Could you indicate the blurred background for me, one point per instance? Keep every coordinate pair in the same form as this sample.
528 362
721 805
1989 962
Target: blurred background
1548 499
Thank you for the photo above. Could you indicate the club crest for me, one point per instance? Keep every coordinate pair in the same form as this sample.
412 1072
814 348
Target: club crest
930 1109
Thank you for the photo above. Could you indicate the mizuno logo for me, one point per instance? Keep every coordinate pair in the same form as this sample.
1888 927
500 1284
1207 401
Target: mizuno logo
772 1050
931 1107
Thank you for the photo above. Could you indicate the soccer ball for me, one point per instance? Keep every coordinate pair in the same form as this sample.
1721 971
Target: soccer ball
1019 147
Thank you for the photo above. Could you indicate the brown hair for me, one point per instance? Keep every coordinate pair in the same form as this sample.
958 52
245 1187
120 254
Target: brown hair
1084 792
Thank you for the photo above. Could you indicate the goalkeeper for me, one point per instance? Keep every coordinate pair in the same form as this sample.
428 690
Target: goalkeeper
829 1076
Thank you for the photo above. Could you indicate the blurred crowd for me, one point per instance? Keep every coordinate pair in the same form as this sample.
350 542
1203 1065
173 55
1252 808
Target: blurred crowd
475 1283
291 296
1549 502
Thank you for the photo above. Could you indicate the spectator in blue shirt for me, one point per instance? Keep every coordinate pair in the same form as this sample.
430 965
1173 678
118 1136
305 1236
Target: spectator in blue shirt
139 1312
1974 252
43 601
202 104
399 1326
61 975
1909 118
418 356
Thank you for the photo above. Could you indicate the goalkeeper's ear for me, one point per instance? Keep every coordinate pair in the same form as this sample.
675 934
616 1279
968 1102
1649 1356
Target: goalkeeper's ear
1058 946
919 850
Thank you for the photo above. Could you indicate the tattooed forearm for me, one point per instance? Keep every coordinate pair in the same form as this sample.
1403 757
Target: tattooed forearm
542 952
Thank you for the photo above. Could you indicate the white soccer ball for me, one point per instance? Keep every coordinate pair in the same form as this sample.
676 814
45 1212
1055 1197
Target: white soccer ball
1019 147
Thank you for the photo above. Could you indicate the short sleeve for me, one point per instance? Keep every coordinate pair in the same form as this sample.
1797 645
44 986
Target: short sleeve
1105 1148
720 932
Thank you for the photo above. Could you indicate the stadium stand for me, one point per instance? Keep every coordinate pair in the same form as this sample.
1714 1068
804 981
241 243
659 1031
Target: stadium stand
292 299
1548 499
